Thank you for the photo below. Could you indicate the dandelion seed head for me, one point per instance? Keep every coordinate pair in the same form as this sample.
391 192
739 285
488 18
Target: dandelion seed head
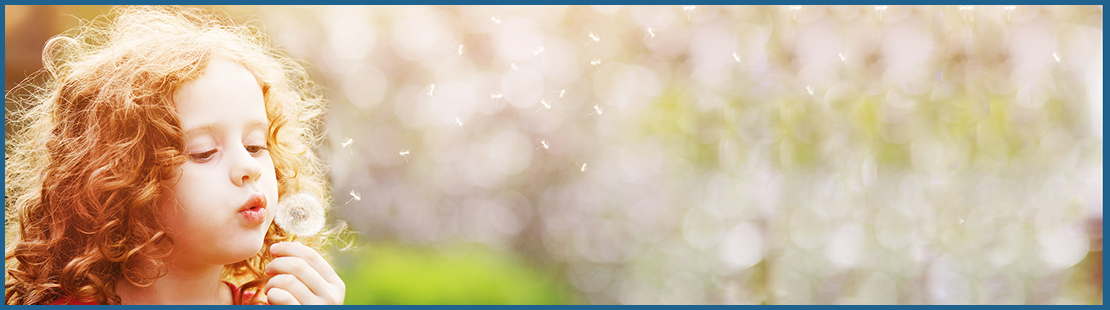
300 214
355 195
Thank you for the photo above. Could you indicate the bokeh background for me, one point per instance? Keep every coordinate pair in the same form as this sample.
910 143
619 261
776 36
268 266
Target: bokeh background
699 154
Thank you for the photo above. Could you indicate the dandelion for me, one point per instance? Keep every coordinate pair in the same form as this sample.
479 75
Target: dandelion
513 65
347 143
1057 56
538 51
597 109
688 9
561 92
966 9
354 196
461 49
496 99
458 121
431 89
880 8
300 214
543 144
593 38
809 89
404 153
583 167
841 54
736 57
651 33
795 8
544 103
495 21
1009 9
596 62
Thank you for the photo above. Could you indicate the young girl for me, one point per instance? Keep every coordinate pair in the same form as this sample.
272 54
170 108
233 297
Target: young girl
149 167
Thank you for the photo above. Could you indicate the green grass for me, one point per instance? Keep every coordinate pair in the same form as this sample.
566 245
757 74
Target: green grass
391 274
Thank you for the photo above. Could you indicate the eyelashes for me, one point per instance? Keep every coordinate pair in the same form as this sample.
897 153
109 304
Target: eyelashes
206 156
202 157
256 150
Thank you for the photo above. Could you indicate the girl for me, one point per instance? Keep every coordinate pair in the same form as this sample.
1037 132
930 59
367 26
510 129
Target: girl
150 165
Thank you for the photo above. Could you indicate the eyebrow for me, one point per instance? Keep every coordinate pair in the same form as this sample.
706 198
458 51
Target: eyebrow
213 126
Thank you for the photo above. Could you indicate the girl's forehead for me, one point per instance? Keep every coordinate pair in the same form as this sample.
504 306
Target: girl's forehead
225 92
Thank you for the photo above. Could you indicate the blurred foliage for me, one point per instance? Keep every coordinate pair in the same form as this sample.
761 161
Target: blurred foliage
463 274
701 154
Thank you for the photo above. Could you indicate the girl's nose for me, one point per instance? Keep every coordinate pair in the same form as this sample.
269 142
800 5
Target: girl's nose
245 169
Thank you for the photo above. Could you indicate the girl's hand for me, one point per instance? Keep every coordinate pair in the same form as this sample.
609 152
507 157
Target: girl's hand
301 277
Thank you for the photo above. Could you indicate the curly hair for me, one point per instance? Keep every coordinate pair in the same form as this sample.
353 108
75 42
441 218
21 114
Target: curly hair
95 141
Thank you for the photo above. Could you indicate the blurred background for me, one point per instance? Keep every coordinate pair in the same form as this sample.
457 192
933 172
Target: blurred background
698 154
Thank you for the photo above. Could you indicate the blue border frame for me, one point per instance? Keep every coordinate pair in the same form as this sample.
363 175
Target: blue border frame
487 2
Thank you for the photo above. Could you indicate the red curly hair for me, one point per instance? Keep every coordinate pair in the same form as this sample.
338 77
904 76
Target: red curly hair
85 168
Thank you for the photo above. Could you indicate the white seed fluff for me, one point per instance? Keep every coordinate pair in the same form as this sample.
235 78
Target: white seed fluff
300 214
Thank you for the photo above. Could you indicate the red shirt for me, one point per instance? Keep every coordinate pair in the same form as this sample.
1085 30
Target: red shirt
69 300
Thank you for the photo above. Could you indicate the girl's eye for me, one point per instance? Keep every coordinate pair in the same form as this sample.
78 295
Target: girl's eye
203 156
256 150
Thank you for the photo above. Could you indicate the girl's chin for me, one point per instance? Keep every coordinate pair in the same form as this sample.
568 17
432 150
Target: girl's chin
241 256
244 250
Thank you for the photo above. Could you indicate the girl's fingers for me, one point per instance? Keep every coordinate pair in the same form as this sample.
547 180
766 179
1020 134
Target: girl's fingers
278 296
299 267
289 284
308 255
297 262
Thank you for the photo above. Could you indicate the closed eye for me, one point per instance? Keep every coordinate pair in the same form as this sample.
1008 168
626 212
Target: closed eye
256 150
202 157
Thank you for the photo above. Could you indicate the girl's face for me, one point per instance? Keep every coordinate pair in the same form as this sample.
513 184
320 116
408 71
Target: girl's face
222 200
